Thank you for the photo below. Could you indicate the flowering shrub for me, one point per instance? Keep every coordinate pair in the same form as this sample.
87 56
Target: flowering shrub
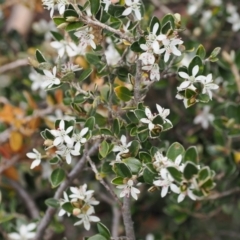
105 59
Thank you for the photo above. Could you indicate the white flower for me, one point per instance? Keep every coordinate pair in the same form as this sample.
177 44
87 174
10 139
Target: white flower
43 27
50 4
86 218
208 84
165 182
62 201
147 57
51 78
169 46
112 55
37 80
122 148
154 71
163 113
61 135
204 117
68 150
234 19
25 233
79 139
80 193
70 67
189 80
194 6
86 38
133 6
149 119
36 156
188 192
128 189
64 47
160 161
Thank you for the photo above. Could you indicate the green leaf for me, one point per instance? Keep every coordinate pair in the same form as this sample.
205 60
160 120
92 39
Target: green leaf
133 163
94 6
85 74
54 160
195 61
190 170
177 175
68 207
132 117
140 114
97 237
122 170
103 230
58 20
73 26
40 57
117 181
191 155
80 98
145 157
106 131
116 126
203 98
57 36
134 148
204 174
201 52
233 111
142 134
215 52
123 93
116 10
122 73
166 28
135 47
90 122
6 218
52 202
70 13
68 77
153 21
57 176
168 18
92 58
148 175
175 150
104 149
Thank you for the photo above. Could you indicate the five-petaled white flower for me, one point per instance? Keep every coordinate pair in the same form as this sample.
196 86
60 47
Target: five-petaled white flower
133 6
86 218
169 46
80 193
50 5
204 117
149 119
85 37
154 71
208 84
165 182
68 150
189 80
187 192
163 113
51 78
36 156
129 189
79 139
25 233
122 148
65 47
147 57
61 135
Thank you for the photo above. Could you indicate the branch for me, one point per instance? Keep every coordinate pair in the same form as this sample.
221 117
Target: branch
127 218
26 199
15 64
78 168
137 82
223 194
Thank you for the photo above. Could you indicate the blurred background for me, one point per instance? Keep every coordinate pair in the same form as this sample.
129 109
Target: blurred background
26 109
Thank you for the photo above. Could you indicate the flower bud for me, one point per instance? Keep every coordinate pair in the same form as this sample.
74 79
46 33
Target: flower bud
76 211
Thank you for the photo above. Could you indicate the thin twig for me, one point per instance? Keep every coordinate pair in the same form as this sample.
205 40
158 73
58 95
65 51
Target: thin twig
93 166
137 83
7 163
222 194
26 199
45 221
15 64
127 218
